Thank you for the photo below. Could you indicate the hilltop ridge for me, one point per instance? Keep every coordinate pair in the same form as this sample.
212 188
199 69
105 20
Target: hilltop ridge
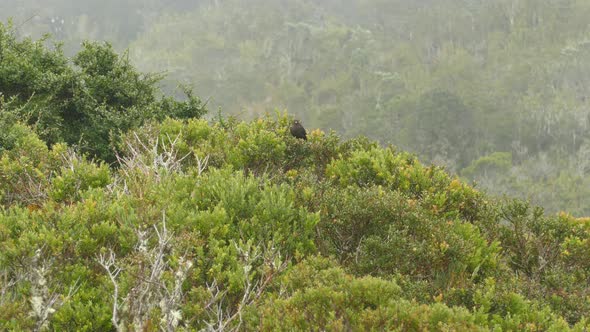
239 225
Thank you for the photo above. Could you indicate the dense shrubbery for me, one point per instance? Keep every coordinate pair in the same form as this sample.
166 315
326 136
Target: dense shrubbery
89 100
227 225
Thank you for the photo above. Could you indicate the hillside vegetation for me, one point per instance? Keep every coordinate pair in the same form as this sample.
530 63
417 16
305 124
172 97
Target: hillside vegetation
126 210
496 90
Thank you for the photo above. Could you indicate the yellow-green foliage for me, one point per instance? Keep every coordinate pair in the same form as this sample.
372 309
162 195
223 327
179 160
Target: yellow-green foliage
317 294
240 225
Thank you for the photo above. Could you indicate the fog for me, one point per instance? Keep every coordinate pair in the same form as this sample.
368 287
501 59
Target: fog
495 91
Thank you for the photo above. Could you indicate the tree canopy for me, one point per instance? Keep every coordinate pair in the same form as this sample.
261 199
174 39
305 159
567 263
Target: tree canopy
87 100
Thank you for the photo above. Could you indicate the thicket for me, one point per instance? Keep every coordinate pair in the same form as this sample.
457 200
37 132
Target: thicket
231 225
88 100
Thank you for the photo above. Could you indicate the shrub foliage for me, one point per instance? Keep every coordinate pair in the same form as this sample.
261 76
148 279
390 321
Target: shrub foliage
89 100
230 225
237 225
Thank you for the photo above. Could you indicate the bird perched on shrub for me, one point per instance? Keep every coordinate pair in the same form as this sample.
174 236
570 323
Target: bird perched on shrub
298 131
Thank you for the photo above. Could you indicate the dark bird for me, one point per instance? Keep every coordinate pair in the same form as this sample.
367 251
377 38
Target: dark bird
298 131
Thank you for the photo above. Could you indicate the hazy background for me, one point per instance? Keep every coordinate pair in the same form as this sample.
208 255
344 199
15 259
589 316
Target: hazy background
495 90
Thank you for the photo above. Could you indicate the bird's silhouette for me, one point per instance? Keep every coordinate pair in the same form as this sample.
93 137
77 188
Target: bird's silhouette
298 131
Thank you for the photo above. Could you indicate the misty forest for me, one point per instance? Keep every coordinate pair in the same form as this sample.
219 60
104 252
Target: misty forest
314 165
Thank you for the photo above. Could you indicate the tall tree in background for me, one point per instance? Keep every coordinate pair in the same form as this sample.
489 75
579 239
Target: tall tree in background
89 100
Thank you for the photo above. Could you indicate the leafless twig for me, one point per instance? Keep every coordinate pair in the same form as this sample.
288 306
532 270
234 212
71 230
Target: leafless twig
150 289
108 263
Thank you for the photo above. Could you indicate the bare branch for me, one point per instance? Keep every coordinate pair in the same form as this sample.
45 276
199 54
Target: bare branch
108 263
255 282
150 289
152 157
201 164
43 302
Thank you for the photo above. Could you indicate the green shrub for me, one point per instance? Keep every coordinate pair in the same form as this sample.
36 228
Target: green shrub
223 224
319 295
89 100
383 232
